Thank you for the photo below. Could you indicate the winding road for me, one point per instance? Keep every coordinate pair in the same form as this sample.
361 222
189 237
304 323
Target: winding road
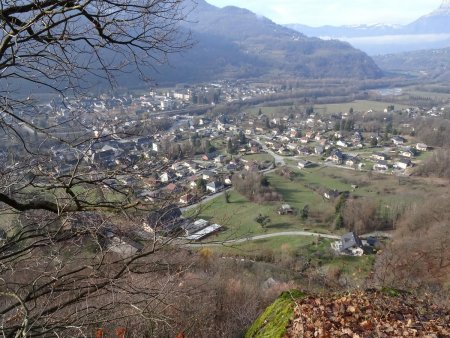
264 236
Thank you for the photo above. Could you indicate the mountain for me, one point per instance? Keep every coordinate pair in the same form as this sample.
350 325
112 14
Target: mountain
437 22
232 42
433 64
430 31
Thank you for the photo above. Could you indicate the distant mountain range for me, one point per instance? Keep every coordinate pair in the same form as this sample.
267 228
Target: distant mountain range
235 43
427 32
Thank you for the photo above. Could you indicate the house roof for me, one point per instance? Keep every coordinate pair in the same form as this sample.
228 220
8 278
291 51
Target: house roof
350 240
214 185
164 217
171 187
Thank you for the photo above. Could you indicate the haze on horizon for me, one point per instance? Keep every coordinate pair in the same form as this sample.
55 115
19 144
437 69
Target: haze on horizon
337 13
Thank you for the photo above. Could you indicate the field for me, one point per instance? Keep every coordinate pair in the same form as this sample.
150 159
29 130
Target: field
360 105
238 216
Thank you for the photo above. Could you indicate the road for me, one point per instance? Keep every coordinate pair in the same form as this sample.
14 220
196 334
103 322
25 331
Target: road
258 237
278 159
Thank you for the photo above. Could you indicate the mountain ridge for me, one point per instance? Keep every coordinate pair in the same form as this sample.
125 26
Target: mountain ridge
429 31
233 42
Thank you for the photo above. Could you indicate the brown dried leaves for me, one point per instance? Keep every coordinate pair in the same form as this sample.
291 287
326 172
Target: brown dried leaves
370 314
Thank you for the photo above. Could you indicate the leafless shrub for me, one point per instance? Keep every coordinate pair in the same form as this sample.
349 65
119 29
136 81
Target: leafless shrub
255 187
438 165
418 255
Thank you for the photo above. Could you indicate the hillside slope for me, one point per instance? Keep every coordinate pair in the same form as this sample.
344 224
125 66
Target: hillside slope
433 64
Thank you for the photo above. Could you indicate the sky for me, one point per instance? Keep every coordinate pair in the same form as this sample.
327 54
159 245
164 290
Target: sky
336 12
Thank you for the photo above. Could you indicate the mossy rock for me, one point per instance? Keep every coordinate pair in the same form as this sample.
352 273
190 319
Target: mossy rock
272 323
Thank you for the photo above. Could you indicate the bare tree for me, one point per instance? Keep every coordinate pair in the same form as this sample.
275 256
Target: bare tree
57 45
58 274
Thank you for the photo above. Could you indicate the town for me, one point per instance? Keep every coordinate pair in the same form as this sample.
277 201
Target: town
188 156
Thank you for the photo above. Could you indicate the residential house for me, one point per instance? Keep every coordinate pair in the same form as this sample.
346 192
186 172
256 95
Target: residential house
351 161
173 188
421 147
318 150
357 137
294 133
304 164
285 209
304 151
208 175
403 163
331 194
397 140
192 167
342 144
167 176
381 165
309 135
292 146
192 182
231 167
409 153
187 198
349 244
379 156
104 157
214 186
227 180
177 166
166 219
337 156
156 147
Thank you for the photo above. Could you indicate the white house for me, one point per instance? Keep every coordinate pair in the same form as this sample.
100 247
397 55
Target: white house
381 165
214 187
403 163
421 147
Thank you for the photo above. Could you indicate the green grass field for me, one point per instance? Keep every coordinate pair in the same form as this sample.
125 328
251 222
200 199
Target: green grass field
358 106
238 216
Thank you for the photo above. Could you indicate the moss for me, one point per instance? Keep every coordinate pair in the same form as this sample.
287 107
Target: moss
391 292
272 323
